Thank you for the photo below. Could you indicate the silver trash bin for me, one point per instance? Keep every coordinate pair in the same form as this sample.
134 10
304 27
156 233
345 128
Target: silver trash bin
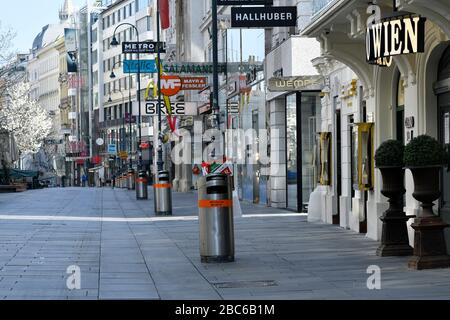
163 194
131 178
142 186
216 219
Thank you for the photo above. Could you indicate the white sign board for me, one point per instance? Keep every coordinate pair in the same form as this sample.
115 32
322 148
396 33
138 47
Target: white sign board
149 108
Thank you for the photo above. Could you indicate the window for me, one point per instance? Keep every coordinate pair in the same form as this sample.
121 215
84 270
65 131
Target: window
130 10
113 18
144 24
108 23
124 12
119 16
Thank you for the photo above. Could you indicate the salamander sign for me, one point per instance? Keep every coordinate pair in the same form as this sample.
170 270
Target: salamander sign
394 36
263 17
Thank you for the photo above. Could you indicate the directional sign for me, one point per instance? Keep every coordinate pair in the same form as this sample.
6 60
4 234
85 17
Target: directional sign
146 66
143 47
263 17
244 2
178 108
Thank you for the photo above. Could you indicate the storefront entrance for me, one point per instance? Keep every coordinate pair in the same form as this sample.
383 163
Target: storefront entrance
302 126
444 128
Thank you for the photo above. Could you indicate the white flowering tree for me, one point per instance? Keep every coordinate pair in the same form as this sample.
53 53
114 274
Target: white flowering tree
24 118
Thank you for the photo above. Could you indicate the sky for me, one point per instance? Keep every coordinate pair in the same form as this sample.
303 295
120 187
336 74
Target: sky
27 21
28 17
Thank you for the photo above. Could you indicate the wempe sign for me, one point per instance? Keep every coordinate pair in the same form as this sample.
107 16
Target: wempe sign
263 17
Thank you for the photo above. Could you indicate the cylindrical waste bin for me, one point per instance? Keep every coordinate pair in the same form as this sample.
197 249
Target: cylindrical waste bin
216 218
163 194
142 186
131 180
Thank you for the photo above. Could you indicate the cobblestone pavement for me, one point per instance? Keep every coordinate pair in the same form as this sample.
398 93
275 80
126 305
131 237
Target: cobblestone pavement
124 252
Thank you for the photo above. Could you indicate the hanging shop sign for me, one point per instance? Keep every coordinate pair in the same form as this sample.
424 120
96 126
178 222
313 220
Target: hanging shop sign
70 39
150 108
143 66
263 17
194 83
150 47
205 109
207 68
394 36
302 83
244 2
170 85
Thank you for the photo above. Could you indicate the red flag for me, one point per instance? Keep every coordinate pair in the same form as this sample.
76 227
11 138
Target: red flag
165 14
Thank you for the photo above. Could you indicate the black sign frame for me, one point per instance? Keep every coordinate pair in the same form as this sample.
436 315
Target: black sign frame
150 47
244 2
255 14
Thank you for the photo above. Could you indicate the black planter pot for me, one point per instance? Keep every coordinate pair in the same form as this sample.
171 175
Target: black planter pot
430 250
426 187
394 239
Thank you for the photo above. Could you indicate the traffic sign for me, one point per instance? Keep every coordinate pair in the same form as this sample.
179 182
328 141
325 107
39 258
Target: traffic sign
146 66
112 149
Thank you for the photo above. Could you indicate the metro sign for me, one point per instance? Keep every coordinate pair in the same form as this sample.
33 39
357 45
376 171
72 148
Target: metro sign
170 85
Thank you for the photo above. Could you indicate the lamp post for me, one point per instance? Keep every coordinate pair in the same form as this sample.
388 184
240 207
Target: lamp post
113 76
114 43
160 160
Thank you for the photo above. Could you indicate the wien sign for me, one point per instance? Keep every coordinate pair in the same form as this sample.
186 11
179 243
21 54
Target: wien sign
394 36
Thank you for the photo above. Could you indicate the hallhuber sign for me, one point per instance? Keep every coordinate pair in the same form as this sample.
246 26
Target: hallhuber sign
303 83
263 17
394 36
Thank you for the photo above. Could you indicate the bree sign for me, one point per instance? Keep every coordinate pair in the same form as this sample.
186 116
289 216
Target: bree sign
178 108
263 17
394 36
244 2
143 47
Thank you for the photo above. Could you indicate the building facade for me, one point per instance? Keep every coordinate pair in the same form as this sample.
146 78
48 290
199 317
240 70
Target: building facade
401 101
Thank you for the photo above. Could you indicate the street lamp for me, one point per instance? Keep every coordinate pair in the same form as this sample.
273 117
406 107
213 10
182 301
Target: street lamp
115 43
113 76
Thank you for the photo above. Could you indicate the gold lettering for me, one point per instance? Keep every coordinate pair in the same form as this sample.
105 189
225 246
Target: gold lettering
396 47
411 35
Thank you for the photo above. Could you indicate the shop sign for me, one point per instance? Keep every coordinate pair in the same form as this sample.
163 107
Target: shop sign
394 36
150 108
263 17
170 85
143 66
143 47
244 2
207 68
194 83
302 83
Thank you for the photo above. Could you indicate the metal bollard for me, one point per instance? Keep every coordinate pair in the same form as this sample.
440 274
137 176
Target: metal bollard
131 180
216 219
163 194
142 186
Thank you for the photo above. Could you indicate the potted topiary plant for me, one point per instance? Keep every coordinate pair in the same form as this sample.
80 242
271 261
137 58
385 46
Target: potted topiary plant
425 157
389 160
